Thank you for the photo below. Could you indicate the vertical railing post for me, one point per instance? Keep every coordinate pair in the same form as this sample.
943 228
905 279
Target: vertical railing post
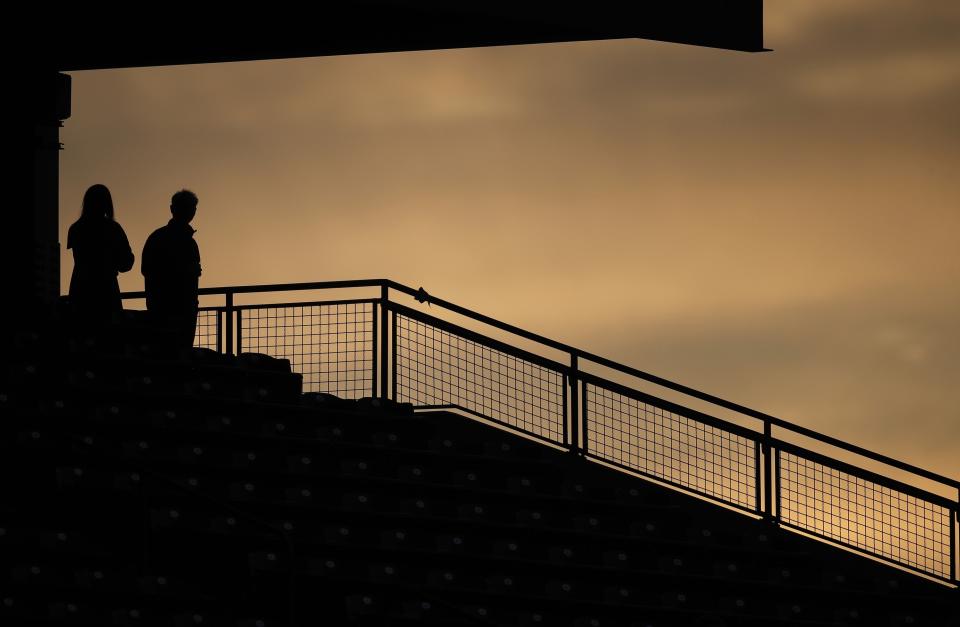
239 331
758 476
768 513
954 521
585 432
228 311
776 486
565 408
374 371
220 331
384 339
393 358
574 405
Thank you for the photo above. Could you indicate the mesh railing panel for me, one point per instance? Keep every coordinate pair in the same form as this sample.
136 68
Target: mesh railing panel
334 346
438 367
331 345
207 327
865 515
665 445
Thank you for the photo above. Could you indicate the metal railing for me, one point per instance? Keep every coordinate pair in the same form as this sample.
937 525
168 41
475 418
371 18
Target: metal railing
378 347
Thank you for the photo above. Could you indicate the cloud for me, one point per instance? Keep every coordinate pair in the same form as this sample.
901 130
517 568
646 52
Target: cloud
905 77
850 24
872 368
374 91
904 343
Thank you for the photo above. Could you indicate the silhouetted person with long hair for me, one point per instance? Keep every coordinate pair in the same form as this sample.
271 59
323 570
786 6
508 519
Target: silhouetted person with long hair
100 252
171 270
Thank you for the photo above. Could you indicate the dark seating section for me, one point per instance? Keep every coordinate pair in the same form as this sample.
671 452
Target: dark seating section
144 488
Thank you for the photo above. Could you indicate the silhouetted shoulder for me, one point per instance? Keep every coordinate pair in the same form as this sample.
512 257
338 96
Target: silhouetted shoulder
72 235
148 263
123 252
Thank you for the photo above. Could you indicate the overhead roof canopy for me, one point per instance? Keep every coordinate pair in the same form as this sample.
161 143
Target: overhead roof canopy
84 37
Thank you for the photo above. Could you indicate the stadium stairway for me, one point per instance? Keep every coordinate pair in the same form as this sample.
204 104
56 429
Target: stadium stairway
146 487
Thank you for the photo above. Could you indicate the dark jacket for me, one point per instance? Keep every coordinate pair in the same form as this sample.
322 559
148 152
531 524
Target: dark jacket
171 268
100 251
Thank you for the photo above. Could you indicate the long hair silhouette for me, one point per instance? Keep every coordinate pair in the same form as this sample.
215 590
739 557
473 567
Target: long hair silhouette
100 251
97 202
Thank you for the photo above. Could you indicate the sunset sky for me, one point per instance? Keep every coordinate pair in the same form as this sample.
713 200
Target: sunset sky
778 229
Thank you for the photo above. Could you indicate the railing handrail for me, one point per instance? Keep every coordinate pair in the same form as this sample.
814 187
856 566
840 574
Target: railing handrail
276 287
423 296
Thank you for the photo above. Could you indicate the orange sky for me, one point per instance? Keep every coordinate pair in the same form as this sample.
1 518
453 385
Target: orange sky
778 229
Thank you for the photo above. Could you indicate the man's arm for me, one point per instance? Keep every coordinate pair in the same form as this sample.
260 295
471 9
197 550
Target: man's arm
196 258
148 256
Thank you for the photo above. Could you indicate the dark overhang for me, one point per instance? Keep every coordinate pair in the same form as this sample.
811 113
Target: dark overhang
83 37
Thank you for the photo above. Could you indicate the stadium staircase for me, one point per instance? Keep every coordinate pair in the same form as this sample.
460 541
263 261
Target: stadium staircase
144 486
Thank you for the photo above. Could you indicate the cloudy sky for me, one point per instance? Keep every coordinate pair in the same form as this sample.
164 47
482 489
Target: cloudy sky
778 229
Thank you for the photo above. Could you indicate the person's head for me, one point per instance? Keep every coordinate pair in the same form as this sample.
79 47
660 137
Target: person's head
97 202
183 206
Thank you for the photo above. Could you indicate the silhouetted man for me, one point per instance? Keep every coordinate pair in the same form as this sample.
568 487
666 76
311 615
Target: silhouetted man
171 271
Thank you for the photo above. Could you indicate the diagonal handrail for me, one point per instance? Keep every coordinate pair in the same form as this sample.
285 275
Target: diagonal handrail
580 353
768 462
